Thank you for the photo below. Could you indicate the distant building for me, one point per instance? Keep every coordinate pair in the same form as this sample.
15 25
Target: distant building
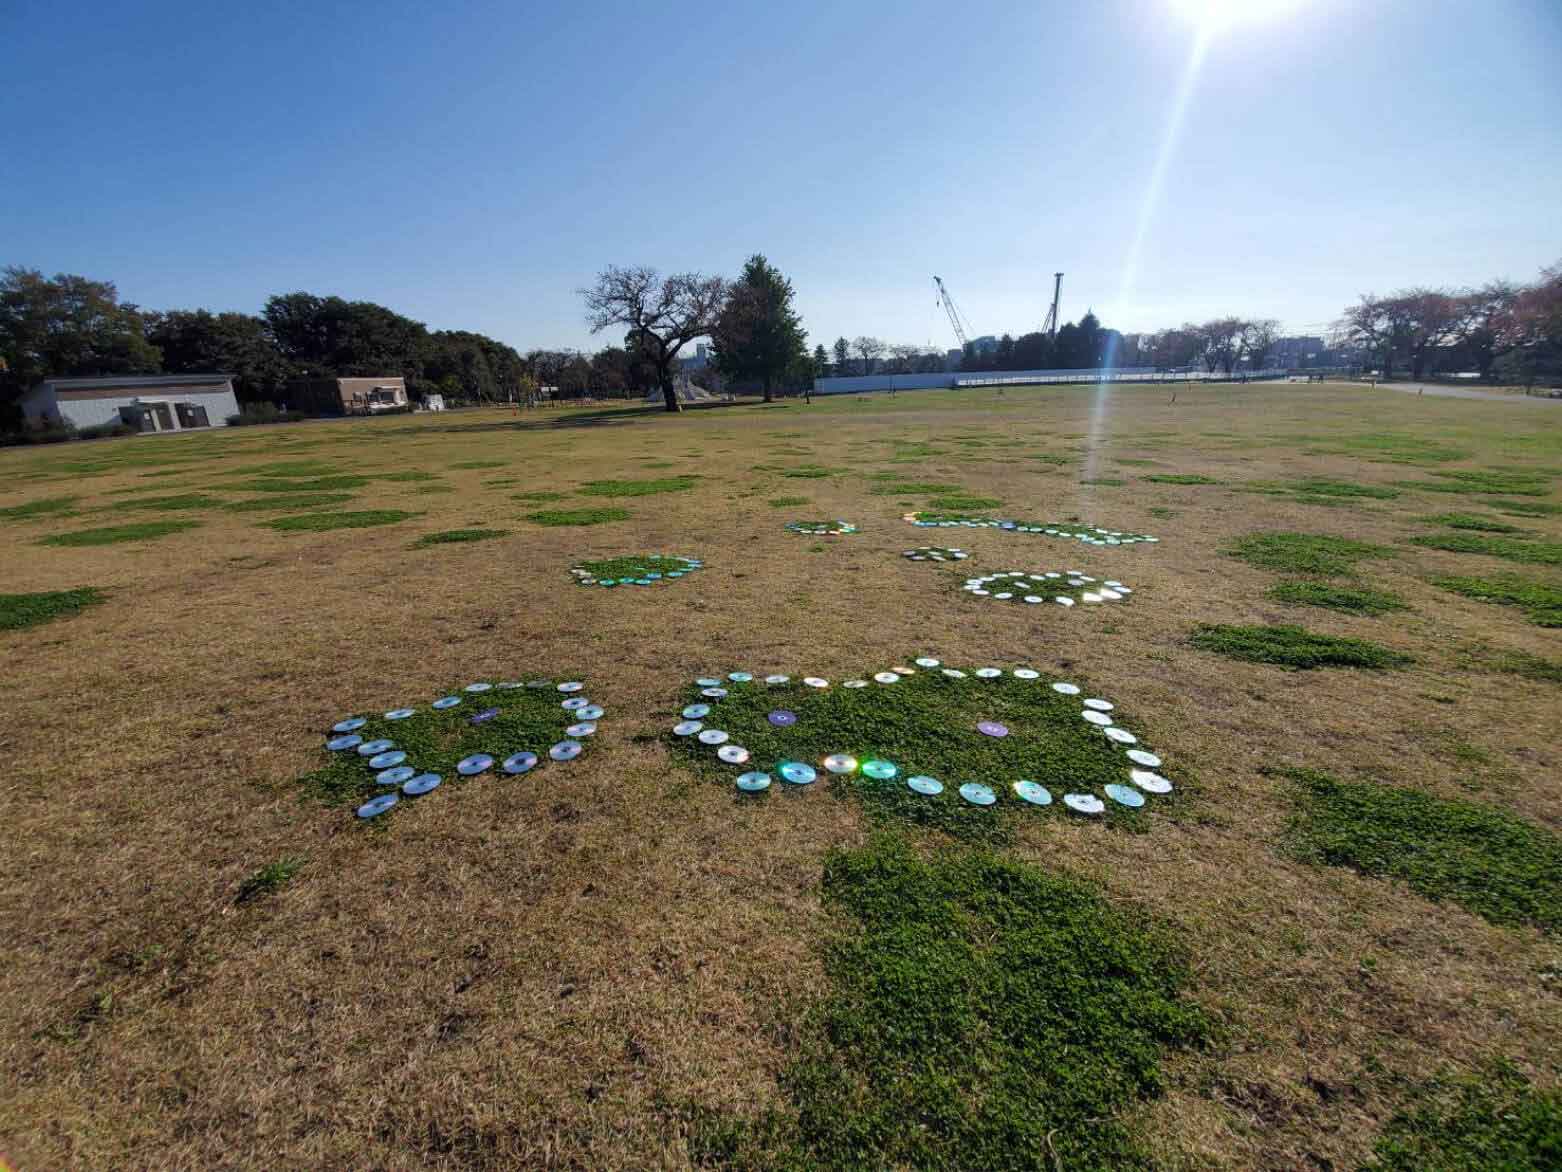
700 360
1297 353
347 396
154 402
986 344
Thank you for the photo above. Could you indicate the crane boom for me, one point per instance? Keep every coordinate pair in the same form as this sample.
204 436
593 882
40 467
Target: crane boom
956 318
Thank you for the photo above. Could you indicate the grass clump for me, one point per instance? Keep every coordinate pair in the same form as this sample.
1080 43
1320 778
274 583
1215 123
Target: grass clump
982 1013
456 536
540 497
1513 549
1526 508
924 724
1492 1121
321 522
482 464
1472 521
959 503
562 517
1487 482
1348 599
894 487
639 487
1540 601
1529 667
115 534
289 502
269 879
51 506
172 504
1393 448
29 610
1294 647
1305 553
1107 481
1492 863
318 484
786 502
807 472
1179 477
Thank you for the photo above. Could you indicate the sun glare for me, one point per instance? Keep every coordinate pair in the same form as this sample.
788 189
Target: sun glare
1214 15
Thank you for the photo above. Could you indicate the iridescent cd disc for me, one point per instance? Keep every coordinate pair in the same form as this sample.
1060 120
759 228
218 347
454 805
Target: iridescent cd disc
387 759
400 713
987 673
695 711
777 679
687 728
483 717
1125 795
816 682
753 782
1121 735
1144 757
394 776
739 677
571 686
1100 719
977 794
886 677
733 754
519 762
797 772
1066 689
376 806
584 729
782 718
476 763
1025 673
855 684
477 687
879 770
954 673
1084 803
566 750
445 702
372 748
708 682
1151 783
714 693
350 741
351 724
1036 795
928 661
591 712
841 763
991 728
923 784
1098 705
574 703
421 784
713 736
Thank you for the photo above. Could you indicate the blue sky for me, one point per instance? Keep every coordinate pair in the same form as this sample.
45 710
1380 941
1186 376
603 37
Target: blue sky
472 165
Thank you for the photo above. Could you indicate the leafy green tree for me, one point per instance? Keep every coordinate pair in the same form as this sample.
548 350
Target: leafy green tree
233 343
843 356
1033 351
1004 359
758 334
821 360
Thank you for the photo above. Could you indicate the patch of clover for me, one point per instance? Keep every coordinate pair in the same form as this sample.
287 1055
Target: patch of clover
936 745
507 728
821 528
637 570
1063 587
1085 534
935 553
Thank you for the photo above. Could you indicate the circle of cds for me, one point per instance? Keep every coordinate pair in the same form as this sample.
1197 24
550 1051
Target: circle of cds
1064 588
935 553
821 528
796 732
508 728
641 570
1087 534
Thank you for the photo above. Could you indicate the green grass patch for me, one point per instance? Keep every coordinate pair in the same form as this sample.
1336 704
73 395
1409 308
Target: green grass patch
636 569
958 503
482 464
1107 481
540 497
458 536
409 476
1294 647
30 610
1316 554
1526 508
1490 482
435 741
289 502
924 724
269 880
171 504
639 487
52 506
1472 521
1525 665
895 487
981 1013
807 472
1179 477
1513 549
1349 599
115 534
1490 1121
1393 448
1322 490
320 522
1540 601
562 517
318 484
289 469
786 502
1490 862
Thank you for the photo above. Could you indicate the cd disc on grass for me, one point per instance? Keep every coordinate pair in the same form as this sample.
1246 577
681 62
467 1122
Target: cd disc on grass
376 806
475 764
421 784
923 784
978 794
519 762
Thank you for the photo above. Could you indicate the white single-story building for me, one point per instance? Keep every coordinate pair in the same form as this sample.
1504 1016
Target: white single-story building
148 402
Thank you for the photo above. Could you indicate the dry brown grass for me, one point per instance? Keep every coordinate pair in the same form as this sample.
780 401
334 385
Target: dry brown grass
546 972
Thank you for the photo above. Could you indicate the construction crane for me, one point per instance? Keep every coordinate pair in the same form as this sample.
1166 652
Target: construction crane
956 318
1050 326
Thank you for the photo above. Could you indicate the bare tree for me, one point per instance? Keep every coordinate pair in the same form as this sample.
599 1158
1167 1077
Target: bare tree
1258 337
1222 340
663 314
869 349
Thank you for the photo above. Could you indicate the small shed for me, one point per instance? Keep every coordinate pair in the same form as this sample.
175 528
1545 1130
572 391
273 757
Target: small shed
147 402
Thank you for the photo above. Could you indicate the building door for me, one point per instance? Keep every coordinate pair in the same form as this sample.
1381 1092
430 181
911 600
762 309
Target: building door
192 415
162 418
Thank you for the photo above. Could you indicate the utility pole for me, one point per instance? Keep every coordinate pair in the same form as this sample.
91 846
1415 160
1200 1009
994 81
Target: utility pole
1050 326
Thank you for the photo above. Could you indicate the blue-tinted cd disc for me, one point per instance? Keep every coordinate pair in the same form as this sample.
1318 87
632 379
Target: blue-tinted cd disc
733 754
400 713
714 693
777 679
574 703
1087 804
571 686
395 775
387 759
1125 795
695 711
782 718
925 785
421 784
483 717
687 728
740 677
797 772
376 806
566 750
371 748
1144 757
1036 795
474 764
708 682
584 729
519 762
879 770
445 702
753 782
713 736
977 794
477 687
351 724
350 741
591 712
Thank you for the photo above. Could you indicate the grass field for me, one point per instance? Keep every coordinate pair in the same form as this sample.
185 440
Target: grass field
1336 948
